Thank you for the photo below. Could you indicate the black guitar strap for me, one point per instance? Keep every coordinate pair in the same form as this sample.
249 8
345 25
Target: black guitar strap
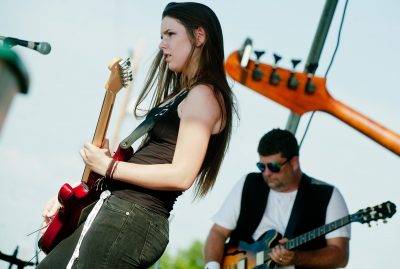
152 117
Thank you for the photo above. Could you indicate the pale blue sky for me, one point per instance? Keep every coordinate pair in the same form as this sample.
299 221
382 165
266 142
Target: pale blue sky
40 141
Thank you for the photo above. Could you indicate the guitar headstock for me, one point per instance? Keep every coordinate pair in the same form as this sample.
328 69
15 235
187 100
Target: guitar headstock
120 76
299 91
375 213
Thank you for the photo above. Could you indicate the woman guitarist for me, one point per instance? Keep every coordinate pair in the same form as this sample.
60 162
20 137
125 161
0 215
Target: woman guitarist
186 146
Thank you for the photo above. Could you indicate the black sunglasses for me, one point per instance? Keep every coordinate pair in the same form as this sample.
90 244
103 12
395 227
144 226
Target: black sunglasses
273 167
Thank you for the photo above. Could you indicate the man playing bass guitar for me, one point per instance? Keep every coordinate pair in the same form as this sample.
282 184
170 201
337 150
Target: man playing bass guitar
284 199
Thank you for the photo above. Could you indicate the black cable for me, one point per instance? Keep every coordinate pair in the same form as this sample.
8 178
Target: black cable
338 39
305 132
329 66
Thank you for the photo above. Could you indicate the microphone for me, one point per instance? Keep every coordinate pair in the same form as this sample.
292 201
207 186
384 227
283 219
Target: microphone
41 47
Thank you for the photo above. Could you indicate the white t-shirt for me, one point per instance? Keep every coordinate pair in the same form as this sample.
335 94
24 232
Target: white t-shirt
277 213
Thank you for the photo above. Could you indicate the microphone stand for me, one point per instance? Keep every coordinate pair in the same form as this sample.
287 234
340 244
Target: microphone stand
13 260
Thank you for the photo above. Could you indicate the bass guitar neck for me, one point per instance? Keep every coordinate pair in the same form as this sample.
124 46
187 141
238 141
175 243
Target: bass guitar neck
304 92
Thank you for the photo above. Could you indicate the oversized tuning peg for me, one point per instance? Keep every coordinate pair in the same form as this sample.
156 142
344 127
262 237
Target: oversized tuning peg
293 82
310 86
295 62
274 78
311 68
257 73
258 54
277 58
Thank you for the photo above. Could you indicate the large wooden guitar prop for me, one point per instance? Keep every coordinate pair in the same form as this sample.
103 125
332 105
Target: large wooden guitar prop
75 199
301 93
253 256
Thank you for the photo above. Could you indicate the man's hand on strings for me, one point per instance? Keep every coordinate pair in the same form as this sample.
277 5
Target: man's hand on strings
281 255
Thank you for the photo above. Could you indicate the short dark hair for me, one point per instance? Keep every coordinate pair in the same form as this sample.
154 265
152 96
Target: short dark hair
278 141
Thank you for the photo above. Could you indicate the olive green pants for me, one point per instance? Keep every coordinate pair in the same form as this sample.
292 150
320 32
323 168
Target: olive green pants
123 235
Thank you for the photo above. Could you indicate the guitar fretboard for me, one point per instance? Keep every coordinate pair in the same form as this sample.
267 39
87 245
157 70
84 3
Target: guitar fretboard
317 232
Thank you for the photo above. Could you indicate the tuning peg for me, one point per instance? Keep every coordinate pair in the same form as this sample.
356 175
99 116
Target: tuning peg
258 54
245 52
257 73
310 69
126 62
293 82
274 78
384 221
295 62
277 58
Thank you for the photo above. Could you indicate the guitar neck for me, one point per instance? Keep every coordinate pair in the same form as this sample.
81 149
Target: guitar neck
101 128
327 228
300 101
363 124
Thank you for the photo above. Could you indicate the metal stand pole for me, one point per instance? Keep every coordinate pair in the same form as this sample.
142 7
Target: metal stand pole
315 52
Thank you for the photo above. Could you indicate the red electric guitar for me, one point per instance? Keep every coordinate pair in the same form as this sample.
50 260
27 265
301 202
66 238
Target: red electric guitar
74 200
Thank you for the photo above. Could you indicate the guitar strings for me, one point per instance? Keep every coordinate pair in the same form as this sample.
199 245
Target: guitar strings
35 231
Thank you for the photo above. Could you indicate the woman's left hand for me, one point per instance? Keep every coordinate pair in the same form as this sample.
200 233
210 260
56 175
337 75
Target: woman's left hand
96 158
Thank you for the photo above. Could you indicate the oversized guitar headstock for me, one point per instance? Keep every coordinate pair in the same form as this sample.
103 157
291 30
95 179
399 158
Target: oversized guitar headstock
375 213
300 92
120 76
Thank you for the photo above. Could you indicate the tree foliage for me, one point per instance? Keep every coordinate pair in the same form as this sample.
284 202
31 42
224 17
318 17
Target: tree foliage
191 258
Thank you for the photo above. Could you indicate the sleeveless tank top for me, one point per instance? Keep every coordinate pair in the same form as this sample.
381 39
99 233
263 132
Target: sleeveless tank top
159 148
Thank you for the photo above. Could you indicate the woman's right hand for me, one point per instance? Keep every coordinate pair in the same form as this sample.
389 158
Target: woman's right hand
106 145
49 211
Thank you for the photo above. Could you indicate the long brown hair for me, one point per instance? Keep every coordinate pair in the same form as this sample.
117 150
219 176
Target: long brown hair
209 70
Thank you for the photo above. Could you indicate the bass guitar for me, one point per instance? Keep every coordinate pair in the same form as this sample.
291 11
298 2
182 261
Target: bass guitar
256 255
304 92
74 199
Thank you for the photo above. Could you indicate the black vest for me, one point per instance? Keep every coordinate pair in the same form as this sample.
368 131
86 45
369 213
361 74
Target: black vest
309 209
